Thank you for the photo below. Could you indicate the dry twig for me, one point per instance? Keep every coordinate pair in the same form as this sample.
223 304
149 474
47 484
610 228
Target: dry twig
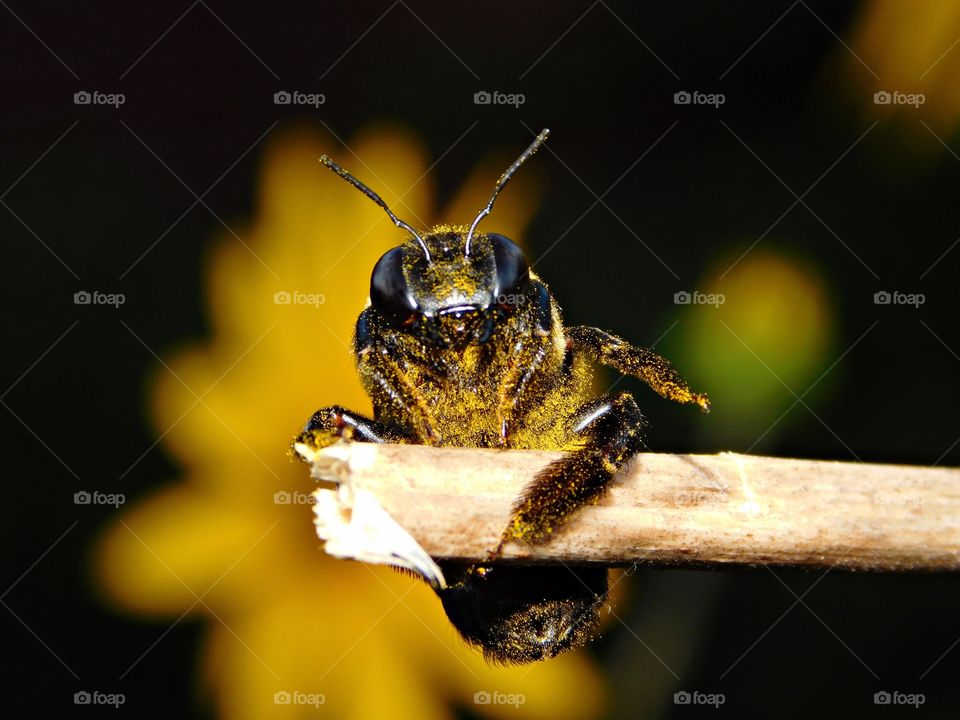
715 510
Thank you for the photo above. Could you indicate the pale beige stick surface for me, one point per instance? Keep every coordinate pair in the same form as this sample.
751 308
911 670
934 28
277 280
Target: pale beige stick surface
705 509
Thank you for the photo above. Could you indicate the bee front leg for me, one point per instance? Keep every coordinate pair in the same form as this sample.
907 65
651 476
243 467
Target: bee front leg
394 394
610 429
389 387
525 364
639 362
330 424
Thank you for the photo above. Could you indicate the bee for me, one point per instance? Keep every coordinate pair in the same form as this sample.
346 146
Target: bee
462 344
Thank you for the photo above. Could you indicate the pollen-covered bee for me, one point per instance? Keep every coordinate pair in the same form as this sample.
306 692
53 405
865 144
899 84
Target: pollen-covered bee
461 344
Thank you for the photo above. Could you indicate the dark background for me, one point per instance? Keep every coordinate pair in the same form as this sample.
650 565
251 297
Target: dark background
200 98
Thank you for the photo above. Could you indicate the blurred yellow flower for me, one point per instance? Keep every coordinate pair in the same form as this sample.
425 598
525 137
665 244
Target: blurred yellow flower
231 540
913 55
771 327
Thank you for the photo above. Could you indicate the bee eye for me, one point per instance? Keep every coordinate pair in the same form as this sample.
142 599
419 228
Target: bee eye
389 293
513 274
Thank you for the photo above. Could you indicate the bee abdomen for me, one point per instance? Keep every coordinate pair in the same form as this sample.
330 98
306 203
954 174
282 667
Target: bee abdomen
521 614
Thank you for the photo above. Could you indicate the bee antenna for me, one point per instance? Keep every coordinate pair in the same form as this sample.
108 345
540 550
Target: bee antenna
504 179
377 199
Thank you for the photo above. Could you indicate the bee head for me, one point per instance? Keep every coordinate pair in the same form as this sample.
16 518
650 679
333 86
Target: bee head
451 299
451 286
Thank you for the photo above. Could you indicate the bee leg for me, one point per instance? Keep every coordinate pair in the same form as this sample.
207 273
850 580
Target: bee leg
387 384
330 424
639 362
610 429
525 364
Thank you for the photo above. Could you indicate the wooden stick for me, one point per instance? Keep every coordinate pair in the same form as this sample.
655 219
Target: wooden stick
706 510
